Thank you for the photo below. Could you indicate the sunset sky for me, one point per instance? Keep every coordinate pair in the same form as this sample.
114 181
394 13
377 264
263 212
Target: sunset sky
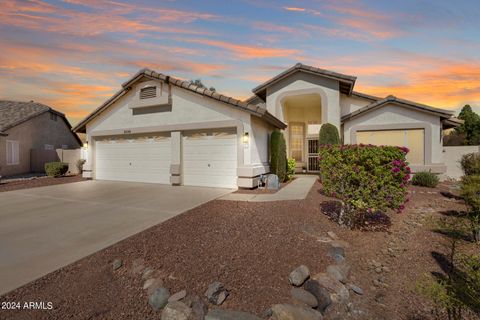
74 54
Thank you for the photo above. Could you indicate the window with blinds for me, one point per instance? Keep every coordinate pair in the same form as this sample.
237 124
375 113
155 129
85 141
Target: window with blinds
13 152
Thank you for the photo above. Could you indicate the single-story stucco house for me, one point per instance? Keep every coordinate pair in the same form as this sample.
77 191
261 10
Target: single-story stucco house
30 132
161 129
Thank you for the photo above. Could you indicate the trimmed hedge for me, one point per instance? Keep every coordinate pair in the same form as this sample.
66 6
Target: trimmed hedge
471 164
328 134
368 179
291 164
56 169
425 179
278 155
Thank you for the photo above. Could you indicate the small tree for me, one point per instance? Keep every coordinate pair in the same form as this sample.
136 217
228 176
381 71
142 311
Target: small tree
278 155
471 126
328 135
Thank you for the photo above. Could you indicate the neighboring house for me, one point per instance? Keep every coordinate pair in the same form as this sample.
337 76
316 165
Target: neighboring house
29 132
161 129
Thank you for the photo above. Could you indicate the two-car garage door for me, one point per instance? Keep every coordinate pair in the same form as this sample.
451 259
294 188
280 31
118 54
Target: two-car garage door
209 158
413 139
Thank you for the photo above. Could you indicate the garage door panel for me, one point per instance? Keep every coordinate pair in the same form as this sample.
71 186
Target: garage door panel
141 159
210 160
413 139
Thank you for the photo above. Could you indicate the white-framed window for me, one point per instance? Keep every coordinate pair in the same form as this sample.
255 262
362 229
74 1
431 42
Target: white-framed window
13 152
48 147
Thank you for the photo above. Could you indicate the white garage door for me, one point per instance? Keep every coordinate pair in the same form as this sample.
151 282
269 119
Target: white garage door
210 159
413 139
138 159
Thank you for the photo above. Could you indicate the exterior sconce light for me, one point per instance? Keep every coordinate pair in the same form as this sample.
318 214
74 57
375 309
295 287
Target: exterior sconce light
85 145
245 138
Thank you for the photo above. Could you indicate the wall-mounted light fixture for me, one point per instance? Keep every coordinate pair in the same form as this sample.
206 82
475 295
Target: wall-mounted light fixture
85 145
245 138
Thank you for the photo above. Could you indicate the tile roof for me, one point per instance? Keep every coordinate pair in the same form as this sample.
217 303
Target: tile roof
258 110
13 113
406 103
346 82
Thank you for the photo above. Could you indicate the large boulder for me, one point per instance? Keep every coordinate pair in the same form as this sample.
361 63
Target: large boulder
321 294
199 308
298 276
219 314
338 292
159 298
216 293
304 297
291 312
176 310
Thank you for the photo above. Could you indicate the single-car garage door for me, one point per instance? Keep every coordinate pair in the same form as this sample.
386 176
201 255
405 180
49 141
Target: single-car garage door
134 158
210 159
413 139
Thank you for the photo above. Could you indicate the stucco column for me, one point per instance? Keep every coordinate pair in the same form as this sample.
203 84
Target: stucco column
176 158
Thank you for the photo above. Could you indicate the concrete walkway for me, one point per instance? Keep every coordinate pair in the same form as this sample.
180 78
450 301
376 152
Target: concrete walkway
295 190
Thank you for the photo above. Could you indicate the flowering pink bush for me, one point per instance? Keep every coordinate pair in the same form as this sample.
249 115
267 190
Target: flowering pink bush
367 179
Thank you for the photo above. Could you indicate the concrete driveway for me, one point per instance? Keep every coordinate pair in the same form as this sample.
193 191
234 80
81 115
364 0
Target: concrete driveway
43 229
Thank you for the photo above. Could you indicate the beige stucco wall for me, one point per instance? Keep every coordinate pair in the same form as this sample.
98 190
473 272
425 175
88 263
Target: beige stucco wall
452 157
34 134
392 117
349 104
189 111
303 83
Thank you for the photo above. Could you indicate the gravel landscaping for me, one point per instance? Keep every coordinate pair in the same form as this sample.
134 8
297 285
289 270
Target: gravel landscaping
35 182
259 259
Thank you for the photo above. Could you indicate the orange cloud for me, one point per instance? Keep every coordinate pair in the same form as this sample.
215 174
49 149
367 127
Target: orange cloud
294 9
245 51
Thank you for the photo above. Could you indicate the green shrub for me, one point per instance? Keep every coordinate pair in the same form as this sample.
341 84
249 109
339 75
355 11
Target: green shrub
471 164
328 134
425 179
367 179
291 164
56 169
470 191
278 155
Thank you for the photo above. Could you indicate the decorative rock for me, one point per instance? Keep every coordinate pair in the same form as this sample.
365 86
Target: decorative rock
339 272
324 239
148 273
290 312
177 296
138 266
334 251
320 293
216 293
199 308
273 182
356 289
221 314
298 276
159 298
338 292
378 270
176 310
148 283
117 264
304 297
339 258
267 313
332 235
376 264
